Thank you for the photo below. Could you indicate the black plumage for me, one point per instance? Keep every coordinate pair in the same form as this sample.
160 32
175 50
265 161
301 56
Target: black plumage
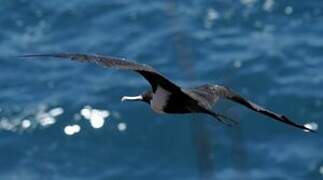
166 97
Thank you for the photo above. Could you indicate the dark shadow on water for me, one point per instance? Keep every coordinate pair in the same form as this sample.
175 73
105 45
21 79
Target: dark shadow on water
200 135
202 140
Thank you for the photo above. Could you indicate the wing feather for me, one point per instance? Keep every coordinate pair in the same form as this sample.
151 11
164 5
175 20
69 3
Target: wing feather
213 92
150 74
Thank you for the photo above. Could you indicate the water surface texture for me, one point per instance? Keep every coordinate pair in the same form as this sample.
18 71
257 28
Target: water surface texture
64 120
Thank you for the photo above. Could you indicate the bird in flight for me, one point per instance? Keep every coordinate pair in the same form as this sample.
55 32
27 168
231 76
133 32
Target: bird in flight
167 97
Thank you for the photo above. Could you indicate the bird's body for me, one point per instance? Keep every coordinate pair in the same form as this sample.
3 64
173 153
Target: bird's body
160 100
166 97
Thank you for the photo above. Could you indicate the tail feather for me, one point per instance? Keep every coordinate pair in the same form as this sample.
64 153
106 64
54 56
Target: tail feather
223 119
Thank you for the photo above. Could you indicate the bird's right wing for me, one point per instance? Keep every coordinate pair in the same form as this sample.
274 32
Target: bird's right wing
150 74
213 92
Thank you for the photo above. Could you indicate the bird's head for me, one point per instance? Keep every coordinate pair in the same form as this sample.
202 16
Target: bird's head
145 97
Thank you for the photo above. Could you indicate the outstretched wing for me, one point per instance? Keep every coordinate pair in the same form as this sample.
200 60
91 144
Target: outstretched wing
150 74
210 93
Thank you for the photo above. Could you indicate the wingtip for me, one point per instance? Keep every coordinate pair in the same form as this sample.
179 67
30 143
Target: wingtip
308 127
54 55
308 130
36 55
22 56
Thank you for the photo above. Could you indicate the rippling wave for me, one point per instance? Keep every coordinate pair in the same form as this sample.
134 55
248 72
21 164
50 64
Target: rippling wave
64 120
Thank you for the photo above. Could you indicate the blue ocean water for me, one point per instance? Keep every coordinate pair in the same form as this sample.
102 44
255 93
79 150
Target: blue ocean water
64 120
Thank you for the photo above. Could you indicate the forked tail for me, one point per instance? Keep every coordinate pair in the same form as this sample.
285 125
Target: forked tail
222 118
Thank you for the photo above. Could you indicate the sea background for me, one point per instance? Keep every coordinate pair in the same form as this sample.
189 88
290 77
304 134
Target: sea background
62 120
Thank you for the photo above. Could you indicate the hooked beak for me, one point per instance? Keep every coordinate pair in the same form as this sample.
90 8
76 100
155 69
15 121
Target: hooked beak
131 98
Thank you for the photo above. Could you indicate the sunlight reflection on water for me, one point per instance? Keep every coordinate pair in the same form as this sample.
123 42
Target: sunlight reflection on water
72 129
289 10
31 119
211 16
312 125
45 117
95 116
321 170
25 123
122 126
48 118
268 5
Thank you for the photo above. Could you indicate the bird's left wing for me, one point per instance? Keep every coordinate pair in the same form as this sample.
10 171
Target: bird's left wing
211 93
150 74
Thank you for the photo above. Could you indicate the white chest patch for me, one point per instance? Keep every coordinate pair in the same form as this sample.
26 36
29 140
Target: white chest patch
159 100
